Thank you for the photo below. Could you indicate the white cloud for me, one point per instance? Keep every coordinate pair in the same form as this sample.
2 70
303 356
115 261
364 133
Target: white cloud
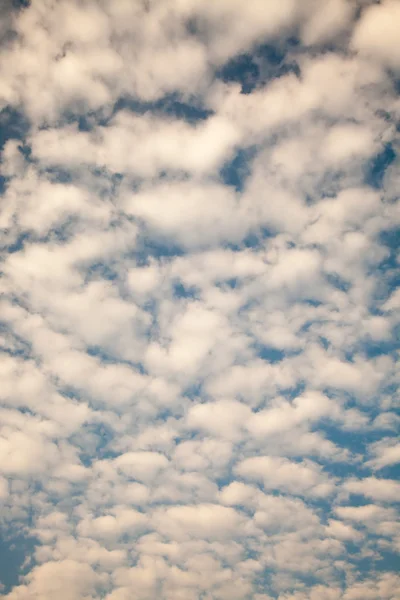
66 579
143 466
368 513
203 521
376 489
386 586
285 416
25 454
164 144
198 313
209 455
326 23
193 215
234 27
386 452
225 417
124 521
375 34
342 531
298 478
345 142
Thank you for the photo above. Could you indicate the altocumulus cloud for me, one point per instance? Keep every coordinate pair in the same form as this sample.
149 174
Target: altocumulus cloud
199 317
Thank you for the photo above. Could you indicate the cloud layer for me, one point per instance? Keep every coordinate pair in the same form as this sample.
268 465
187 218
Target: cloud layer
199 313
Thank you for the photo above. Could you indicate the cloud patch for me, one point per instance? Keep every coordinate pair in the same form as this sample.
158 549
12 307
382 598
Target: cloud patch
198 313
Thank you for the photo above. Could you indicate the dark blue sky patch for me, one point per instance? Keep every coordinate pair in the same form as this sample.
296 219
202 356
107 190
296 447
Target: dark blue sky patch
58 235
62 233
391 239
278 60
325 183
19 244
324 342
386 561
149 246
390 471
371 348
86 121
383 561
14 550
231 283
236 172
101 270
94 440
269 354
242 69
21 4
181 291
388 271
26 151
3 184
293 392
375 170
265 63
312 302
336 281
193 391
116 182
13 125
107 357
171 106
354 441
168 107
59 175
14 344
254 240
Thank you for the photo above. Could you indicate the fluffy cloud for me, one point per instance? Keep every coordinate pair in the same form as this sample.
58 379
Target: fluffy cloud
386 452
377 489
198 308
281 474
375 33
67 579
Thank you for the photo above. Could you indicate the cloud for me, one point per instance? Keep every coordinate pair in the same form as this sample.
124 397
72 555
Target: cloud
364 514
325 25
141 465
375 33
193 216
377 489
112 526
303 478
199 315
343 531
161 143
386 452
223 418
67 579
204 521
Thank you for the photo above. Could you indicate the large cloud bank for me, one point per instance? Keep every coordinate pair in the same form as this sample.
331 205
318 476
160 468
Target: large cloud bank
199 314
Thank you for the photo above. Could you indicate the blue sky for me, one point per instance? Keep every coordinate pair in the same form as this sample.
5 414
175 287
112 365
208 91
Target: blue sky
199 300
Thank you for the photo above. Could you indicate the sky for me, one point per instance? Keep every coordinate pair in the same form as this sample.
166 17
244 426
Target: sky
199 301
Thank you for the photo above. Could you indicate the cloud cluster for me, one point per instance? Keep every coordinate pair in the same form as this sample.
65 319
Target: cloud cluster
199 315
